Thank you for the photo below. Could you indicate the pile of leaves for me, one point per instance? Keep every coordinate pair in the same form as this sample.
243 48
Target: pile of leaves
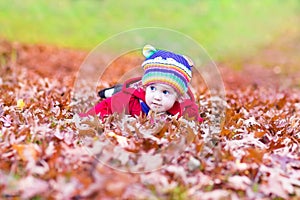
47 151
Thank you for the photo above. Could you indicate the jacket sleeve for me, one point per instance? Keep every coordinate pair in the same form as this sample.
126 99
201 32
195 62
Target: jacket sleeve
118 103
103 108
190 110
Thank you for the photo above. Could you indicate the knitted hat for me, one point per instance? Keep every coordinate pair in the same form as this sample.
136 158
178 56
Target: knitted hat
166 67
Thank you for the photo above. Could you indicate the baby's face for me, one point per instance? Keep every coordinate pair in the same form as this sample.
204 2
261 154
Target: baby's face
160 97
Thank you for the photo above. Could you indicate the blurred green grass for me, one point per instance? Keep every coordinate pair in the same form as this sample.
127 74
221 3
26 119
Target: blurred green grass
225 28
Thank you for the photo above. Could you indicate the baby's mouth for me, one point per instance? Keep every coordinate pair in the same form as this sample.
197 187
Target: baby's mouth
156 105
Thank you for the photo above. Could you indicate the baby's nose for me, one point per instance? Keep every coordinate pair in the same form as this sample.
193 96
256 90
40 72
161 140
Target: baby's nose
157 96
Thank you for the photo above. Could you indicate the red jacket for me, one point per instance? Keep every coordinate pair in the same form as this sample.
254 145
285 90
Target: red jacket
128 101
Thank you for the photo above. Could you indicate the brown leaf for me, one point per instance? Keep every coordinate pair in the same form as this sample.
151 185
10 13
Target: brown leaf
254 154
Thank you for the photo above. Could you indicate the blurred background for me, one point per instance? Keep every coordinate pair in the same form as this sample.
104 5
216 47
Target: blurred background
227 29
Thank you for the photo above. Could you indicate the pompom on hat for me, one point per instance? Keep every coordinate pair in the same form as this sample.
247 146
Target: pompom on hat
168 68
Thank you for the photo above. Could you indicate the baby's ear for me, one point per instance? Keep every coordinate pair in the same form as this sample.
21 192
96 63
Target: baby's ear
189 60
148 50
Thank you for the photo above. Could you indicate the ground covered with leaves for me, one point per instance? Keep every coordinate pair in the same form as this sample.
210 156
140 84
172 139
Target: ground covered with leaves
47 151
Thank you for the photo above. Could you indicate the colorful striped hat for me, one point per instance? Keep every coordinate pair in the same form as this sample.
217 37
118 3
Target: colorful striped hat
166 67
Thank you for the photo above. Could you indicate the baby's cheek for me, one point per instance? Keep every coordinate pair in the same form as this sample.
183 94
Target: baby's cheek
169 104
173 99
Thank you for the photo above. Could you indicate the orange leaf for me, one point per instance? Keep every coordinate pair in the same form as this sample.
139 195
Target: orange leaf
259 134
26 152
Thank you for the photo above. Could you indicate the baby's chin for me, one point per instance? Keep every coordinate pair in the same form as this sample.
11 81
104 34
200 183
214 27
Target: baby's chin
157 109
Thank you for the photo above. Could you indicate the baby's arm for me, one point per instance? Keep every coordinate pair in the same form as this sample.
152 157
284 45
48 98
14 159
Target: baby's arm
103 108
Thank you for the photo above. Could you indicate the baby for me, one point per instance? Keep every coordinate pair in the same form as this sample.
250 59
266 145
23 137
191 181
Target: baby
164 84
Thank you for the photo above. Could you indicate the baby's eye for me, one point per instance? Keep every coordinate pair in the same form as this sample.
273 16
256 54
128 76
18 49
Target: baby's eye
166 92
152 88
